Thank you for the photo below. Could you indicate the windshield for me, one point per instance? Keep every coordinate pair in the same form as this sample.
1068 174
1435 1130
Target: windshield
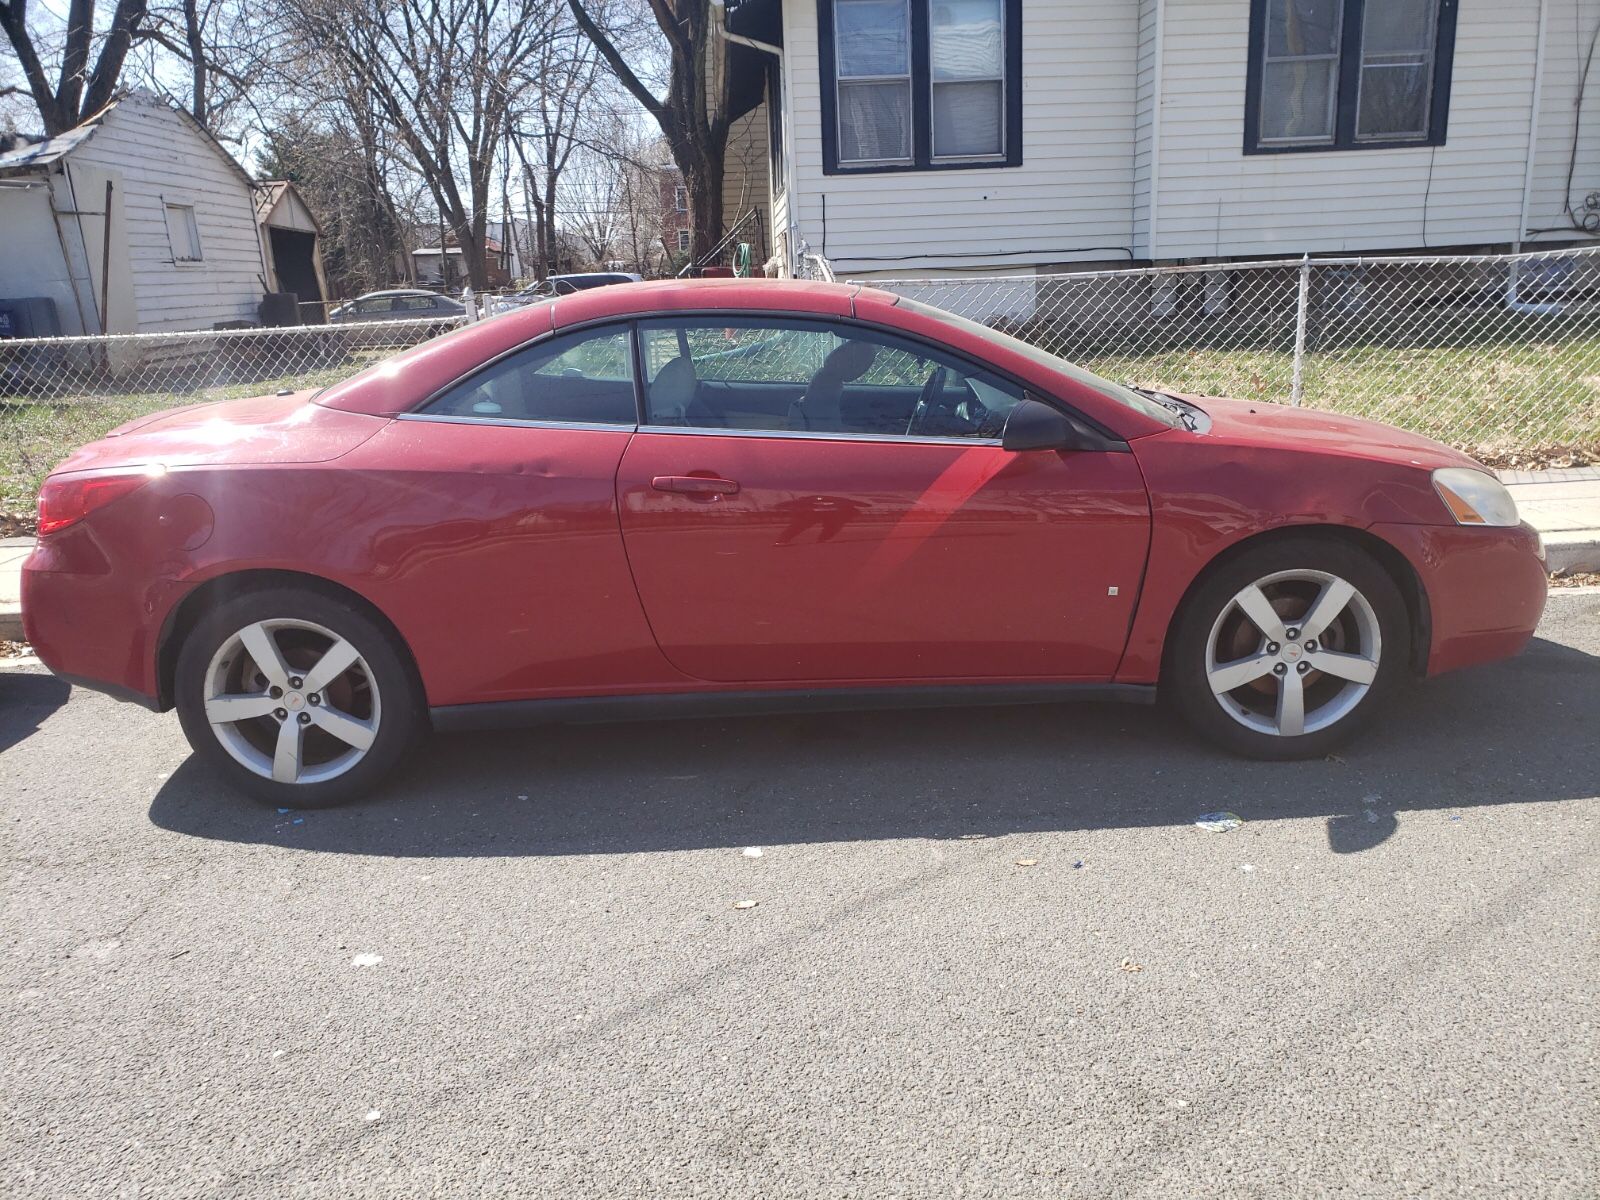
1125 396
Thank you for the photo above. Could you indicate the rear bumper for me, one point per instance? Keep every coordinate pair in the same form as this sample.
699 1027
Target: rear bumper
1486 588
90 621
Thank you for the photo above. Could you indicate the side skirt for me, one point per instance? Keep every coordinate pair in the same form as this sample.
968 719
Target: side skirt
594 710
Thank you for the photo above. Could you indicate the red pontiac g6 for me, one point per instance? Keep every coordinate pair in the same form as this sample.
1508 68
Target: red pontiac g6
750 496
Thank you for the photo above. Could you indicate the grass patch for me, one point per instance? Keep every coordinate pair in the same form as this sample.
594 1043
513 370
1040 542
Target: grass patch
1522 395
1486 397
35 436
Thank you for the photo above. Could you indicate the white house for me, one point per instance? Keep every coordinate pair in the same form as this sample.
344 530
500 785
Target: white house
930 137
184 249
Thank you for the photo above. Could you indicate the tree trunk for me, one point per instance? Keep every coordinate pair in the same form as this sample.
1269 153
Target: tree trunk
702 180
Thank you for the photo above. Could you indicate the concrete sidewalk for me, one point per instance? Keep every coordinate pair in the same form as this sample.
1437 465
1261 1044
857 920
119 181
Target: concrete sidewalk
12 552
1563 505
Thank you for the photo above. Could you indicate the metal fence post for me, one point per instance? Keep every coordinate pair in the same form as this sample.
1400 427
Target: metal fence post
1297 389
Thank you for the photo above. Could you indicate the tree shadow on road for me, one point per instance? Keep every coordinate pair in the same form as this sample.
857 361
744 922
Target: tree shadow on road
1511 733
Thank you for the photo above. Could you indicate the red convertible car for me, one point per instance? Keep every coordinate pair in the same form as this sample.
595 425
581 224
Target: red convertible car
751 496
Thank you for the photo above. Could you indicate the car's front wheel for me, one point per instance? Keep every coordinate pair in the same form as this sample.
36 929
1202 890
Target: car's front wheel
1287 649
296 697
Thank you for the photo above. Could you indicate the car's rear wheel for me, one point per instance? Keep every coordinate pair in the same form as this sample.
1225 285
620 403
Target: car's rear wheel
1289 648
296 697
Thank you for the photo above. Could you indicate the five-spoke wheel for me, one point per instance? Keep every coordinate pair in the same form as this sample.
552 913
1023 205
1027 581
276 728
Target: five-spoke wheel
301 698
292 701
1278 653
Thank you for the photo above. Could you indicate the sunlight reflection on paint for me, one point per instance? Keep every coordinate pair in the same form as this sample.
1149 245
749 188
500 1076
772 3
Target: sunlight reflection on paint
940 500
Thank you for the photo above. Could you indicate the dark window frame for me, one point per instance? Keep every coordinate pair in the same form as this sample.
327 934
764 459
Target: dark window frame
1347 81
922 158
778 177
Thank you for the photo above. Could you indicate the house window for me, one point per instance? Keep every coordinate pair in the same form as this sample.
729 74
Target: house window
1348 74
920 84
680 198
683 241
183 234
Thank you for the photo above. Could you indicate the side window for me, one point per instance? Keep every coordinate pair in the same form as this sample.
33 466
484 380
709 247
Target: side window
378 304
798 376
416 303
584 377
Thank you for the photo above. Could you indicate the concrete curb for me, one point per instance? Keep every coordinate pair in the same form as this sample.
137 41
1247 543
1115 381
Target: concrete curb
1574 552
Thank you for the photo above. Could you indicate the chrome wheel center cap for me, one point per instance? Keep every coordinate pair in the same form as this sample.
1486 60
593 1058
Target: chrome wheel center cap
294 701
1291 653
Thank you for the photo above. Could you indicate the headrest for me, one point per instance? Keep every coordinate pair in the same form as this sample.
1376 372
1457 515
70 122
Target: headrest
849 361
674 385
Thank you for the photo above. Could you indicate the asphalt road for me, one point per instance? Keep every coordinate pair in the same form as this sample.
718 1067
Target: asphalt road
1382 984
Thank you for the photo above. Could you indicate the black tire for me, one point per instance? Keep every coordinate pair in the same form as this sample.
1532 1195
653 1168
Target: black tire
1185 678
401 720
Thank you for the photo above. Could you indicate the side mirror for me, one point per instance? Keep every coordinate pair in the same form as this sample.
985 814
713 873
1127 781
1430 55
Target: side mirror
1036 426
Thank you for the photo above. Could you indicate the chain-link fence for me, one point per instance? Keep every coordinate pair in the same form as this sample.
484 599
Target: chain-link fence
1497 354
57 393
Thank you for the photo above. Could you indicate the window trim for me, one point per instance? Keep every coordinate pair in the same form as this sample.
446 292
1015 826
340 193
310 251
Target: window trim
631 322
1347 85
186 206
921 82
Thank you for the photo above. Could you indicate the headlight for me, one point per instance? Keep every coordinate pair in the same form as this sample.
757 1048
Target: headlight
1474 497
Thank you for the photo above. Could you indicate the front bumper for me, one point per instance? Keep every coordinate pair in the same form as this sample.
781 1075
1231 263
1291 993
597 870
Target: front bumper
1486 588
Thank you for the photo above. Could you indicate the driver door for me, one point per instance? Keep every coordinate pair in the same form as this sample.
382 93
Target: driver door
795 511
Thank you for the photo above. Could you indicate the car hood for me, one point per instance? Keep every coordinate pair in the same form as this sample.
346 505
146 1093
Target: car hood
263 430
1278 426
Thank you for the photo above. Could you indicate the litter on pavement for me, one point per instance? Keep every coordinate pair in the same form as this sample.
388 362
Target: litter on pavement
366 960
752 851
1027 862
745 903
1218 822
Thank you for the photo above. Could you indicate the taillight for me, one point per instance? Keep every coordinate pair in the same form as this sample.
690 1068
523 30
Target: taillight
64 502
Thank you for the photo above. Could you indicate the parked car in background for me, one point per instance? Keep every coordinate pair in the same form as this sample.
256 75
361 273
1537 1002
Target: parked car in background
749 496
567 285
398 304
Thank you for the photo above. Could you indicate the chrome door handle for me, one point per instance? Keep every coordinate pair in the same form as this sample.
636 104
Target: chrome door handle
691 485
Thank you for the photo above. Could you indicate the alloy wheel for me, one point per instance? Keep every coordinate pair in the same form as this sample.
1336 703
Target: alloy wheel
292 701
1294 652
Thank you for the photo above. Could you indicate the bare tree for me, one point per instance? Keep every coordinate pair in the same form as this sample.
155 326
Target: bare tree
551 123
226 47
440 77
693 113
79 90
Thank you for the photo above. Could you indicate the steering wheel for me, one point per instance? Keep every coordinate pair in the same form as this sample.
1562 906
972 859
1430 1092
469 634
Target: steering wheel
919 411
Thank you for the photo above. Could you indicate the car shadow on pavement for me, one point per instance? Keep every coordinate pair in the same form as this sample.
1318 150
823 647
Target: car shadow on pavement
1510 733
26 699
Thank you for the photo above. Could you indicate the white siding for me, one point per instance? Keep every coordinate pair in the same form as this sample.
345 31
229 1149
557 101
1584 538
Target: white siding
1569 29
1070 200
32 263
1144 129
744 179
162 158
1213 200
1104 168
